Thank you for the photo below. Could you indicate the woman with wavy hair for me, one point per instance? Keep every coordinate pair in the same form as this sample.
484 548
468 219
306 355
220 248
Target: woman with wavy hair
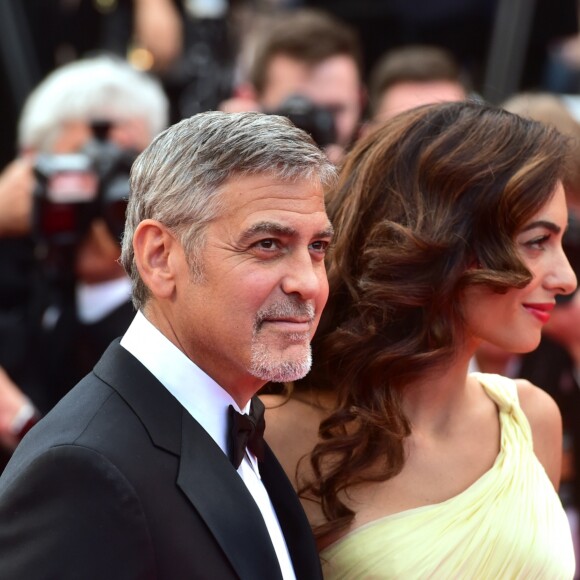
449 221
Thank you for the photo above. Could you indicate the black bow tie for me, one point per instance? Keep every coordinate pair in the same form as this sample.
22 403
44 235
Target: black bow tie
247 431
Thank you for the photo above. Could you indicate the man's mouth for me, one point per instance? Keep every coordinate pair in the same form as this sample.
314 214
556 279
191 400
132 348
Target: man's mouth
289 324
292 317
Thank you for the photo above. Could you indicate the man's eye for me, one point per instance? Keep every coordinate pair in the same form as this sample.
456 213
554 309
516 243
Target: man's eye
268 244
320 246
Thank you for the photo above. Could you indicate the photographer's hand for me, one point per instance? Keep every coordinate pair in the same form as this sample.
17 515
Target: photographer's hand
16 190
335 153
244 99
13 403
159 29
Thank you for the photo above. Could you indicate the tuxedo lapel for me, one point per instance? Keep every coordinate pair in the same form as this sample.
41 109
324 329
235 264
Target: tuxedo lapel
218 493
155 406
206 476
292 518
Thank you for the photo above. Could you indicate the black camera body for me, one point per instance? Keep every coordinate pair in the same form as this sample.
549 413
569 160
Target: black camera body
316 120
71 192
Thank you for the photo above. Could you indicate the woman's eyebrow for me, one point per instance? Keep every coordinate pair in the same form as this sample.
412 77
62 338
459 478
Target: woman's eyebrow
554 228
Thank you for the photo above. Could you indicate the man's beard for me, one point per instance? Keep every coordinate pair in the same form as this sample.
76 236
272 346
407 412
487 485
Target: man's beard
269 365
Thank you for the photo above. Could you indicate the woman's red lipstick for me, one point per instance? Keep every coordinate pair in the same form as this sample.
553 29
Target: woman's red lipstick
540 311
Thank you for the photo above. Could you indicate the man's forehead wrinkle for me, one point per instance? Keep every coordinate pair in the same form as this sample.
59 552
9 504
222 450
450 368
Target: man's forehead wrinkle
244 199
278 212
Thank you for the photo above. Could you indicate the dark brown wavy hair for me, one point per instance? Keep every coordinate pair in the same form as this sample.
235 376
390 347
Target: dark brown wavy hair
422 200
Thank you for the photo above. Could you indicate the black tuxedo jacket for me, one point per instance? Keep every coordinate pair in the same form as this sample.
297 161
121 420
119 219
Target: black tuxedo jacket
118 481
65 353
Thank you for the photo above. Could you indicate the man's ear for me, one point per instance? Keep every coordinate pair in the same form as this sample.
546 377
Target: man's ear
158 256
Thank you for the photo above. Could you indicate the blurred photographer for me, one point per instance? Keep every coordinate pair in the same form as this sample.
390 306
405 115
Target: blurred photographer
412 75
61 212
307 65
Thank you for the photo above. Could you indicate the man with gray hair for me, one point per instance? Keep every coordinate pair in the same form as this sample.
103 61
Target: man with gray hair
153 466
63 294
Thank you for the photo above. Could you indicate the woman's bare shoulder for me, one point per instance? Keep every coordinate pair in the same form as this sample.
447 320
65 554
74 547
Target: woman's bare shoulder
539 407
546 423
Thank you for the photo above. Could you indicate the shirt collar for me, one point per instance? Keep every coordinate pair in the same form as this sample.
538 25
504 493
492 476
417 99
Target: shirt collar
201 396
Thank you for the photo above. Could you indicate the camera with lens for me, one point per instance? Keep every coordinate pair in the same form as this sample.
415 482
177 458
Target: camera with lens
73 190
316 120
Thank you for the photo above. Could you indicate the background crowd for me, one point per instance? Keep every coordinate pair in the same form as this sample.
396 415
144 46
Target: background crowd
101 78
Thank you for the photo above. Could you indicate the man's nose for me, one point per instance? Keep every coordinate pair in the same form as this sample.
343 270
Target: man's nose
304 276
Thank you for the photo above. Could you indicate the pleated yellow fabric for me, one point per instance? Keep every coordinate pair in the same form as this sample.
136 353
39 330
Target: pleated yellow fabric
509 524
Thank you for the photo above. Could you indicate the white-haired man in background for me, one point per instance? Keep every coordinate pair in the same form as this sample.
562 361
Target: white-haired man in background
102 111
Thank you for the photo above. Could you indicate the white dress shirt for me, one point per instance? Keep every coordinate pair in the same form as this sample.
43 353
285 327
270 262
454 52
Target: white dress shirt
208 404
95 301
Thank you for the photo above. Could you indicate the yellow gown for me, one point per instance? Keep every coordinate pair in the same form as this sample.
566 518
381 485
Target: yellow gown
508 524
